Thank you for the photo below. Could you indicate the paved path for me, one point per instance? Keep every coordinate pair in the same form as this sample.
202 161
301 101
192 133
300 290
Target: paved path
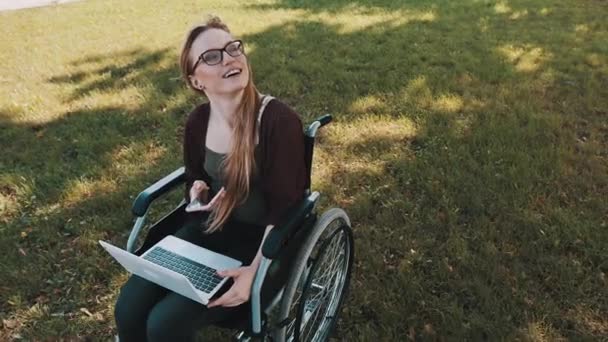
6 5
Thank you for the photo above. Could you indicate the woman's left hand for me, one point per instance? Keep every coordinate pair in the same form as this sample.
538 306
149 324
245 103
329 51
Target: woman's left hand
241 289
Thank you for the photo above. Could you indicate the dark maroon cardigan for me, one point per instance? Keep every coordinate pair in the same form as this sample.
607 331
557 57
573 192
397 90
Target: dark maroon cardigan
283 170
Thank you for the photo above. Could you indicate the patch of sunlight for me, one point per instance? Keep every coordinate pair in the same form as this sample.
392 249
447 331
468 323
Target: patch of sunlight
594 60
367 104
372 128
82 189
14 190
448 103
518 14
483 24
502 7
547 77
329 162
591 318
427 16
360 147
462 125
473 104
353 19
363 166
581 28
290 32
263 21
418 92
127 162
541 332
25 106
8 206
46 210
526 58
130 98
23 317
321 170
545 11
137 157
177 100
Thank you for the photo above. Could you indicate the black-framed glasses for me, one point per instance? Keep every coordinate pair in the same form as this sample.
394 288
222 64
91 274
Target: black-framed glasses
234 48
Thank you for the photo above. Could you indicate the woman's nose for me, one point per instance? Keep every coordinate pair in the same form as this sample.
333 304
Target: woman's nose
227 59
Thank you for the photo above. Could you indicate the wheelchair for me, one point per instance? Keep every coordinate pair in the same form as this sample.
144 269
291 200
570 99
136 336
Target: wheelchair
306 264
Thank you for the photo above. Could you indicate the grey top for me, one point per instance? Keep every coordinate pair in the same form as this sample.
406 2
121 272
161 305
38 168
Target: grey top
253 210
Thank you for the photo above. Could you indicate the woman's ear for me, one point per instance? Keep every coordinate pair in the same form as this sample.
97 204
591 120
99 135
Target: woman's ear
196 83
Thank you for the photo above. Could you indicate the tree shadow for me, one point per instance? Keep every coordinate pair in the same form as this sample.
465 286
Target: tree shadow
462 163
114 77
337 6
70 182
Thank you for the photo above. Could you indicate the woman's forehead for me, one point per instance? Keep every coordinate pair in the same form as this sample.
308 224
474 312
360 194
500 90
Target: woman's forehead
210 39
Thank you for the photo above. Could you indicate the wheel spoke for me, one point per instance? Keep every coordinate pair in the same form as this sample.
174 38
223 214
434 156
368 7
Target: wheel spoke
333 267
333 259
323 275
323 303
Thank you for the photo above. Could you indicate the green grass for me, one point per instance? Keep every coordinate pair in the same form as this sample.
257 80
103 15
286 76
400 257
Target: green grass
469 149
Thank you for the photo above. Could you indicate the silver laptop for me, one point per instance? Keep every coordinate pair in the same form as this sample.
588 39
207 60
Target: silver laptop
178 265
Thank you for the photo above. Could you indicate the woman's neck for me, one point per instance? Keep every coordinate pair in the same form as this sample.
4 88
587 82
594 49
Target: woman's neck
225 106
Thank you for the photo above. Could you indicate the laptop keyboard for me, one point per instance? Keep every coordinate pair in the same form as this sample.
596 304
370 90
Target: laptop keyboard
204 278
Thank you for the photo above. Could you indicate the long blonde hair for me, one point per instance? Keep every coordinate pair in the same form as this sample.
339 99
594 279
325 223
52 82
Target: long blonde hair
239 164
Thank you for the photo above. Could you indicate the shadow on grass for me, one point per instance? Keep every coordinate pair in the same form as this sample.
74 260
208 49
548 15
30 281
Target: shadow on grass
459 214
77 177
116 77
467 227
338 6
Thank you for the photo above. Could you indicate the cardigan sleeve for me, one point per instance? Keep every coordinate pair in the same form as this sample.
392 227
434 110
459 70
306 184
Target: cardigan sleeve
284 178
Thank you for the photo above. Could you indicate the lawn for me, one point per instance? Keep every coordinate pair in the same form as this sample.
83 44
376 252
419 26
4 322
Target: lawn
470 149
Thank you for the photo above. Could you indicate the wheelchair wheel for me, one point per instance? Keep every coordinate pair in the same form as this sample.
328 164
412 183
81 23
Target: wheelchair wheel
319 280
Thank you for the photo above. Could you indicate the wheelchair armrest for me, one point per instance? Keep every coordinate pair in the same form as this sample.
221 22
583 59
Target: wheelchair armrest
273 245
145 198
291 222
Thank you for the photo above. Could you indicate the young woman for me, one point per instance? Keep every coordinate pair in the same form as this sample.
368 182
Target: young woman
246 145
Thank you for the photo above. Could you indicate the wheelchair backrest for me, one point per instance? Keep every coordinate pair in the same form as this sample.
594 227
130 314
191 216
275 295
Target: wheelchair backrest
309 143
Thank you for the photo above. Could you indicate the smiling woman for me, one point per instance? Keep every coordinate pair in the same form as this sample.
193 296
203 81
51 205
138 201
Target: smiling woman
246 151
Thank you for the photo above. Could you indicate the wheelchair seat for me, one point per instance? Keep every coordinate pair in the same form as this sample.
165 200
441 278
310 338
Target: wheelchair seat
305 269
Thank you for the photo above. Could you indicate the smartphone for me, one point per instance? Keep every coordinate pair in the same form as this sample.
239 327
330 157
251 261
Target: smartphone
197 205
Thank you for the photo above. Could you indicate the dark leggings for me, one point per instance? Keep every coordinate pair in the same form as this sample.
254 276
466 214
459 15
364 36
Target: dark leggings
145 311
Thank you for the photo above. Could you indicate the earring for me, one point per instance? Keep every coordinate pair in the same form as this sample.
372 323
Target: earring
200 86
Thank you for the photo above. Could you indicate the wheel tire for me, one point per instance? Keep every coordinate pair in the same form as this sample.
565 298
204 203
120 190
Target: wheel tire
311 251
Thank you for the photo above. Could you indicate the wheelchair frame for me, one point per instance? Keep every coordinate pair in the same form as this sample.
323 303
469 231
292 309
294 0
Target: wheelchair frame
300 219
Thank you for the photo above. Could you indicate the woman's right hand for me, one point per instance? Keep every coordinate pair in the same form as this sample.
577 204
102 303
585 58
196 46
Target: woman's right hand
199 190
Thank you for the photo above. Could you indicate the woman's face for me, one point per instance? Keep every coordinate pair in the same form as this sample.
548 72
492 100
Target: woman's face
229 75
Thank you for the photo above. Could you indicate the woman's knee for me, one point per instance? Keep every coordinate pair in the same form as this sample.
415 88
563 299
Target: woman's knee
126 314
134 302
176 318
161 326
